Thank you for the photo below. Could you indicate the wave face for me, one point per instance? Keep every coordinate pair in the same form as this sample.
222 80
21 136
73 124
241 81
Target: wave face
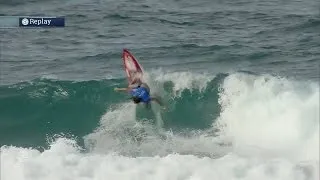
227 126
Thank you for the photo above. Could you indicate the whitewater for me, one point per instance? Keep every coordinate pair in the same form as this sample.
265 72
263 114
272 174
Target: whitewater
267 129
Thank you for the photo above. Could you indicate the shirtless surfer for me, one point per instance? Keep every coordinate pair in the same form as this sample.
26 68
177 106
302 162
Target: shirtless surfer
140 92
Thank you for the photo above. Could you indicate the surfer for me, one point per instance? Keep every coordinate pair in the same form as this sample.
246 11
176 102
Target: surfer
140 92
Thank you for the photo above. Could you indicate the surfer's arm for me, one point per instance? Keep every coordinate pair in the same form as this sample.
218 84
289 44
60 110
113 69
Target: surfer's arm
122 89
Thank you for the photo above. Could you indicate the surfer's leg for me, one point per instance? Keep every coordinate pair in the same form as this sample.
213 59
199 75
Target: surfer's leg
148 105
158 100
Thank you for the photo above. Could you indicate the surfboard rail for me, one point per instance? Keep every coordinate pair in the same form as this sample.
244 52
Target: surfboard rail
132 67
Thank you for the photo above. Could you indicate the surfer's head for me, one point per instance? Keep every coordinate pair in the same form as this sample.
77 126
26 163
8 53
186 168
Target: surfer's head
136 100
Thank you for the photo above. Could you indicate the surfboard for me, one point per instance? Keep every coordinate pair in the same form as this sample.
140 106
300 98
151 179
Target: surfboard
132 67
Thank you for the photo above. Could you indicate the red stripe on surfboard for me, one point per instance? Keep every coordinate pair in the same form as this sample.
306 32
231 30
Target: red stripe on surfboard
127 53
136 64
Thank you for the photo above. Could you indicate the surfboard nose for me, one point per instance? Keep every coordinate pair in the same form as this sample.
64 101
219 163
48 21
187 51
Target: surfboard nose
132 68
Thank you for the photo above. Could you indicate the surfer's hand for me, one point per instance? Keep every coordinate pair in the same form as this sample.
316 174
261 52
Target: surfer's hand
116 89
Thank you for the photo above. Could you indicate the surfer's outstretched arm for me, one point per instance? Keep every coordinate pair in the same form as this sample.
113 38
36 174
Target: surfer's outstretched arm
122 89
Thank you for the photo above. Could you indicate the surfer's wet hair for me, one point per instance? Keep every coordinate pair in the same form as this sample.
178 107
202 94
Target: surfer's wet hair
136 100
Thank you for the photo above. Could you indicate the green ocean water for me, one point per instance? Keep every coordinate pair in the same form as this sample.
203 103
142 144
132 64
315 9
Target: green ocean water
43 108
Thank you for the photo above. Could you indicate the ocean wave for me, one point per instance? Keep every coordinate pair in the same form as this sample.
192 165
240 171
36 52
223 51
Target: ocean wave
265 126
